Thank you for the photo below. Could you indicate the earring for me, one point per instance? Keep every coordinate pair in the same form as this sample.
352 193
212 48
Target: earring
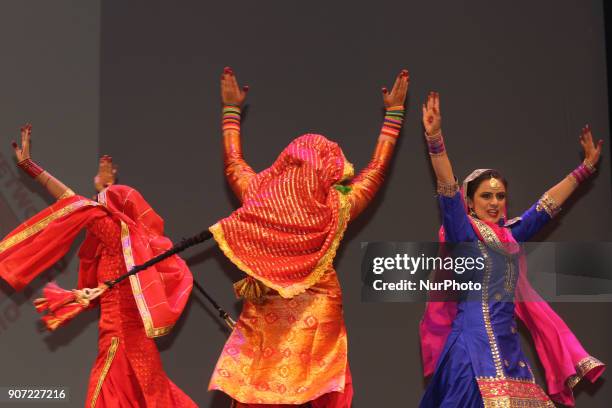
472 212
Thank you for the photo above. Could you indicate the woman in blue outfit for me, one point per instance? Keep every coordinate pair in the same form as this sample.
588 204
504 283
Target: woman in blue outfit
471 344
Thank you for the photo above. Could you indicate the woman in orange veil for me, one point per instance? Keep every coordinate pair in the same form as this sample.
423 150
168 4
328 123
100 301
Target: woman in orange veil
289 347
122 230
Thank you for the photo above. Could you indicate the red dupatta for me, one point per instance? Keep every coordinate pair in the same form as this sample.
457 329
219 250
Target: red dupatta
292 219
564 359
160 291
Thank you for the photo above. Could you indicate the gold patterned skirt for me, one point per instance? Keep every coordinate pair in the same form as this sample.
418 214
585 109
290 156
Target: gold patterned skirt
286 351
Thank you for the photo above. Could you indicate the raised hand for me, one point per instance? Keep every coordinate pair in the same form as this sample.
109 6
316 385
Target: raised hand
23 153
107 173
592 152
231 94
397 96
432 120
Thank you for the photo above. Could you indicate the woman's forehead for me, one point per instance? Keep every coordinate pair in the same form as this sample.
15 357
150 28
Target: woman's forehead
487 187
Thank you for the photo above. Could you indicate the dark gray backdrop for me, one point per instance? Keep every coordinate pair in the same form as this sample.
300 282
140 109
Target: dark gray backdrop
517 81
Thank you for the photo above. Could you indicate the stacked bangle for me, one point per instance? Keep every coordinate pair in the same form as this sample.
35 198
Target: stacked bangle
582 172
231 117
435 144
30 167
394 117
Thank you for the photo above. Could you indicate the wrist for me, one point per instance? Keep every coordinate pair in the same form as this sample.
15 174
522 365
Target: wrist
433 133
392 124
581 173
590 166
395 108
30 167
231 117
435 143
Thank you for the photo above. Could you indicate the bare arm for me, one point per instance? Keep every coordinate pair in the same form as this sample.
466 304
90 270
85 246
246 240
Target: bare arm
365 186
237 171
563 189
432 122
55 187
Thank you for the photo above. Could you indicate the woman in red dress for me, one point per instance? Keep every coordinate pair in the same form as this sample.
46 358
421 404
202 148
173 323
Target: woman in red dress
122 230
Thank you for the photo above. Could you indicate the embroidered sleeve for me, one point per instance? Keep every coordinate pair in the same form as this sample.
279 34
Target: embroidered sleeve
447 189
546 203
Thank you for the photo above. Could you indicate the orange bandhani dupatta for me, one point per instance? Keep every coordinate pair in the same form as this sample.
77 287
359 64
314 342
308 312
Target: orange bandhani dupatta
292 219
160 291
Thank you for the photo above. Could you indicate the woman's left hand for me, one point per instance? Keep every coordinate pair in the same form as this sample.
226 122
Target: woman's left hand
23 153
591 151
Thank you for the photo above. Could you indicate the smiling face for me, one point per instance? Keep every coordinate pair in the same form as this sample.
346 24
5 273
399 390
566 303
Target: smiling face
489 200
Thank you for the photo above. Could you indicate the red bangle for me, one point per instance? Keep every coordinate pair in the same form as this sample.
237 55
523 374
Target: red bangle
30 167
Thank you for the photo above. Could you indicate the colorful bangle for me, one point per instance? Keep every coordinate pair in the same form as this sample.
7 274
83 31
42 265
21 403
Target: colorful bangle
435 144
582 172
392 124
231 118
30 167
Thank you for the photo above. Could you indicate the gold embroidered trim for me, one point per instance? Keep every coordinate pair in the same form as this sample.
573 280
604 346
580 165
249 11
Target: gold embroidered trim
499 372
548 204
348 170
42 224
66 194
128 257
490 238
322 266
512 393
582 368
447 189
109 359
509 276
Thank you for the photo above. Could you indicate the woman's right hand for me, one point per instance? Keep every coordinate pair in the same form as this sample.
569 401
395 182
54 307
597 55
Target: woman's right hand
432 120
231 94
23 153
397 96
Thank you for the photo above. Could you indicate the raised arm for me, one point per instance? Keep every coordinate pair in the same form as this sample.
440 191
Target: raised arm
432 122
369 180
24 160
562 190
550 203
237 171
457 227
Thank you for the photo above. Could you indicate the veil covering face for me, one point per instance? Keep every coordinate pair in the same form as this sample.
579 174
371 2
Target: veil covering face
564 359
160 292
293 217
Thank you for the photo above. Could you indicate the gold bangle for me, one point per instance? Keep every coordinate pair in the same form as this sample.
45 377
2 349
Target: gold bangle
589 166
